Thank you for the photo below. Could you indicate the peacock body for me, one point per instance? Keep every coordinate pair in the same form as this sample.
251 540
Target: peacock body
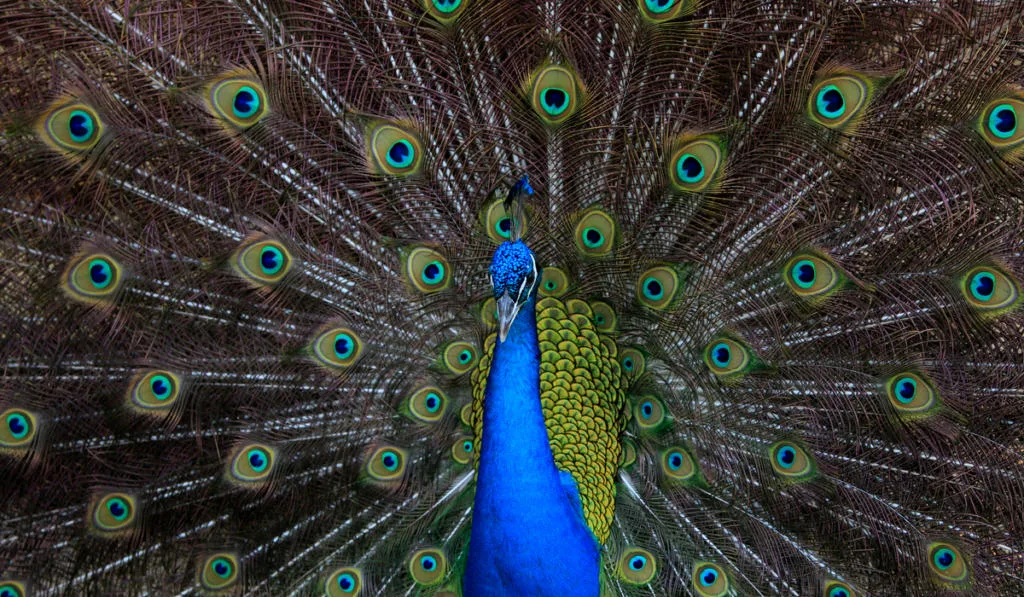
453 297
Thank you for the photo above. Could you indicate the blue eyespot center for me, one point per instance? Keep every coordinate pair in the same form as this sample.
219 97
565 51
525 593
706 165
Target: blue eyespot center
599 319
550 285
18 425
838 592
555 100
222 567
659 6
1002 122
983 285
786 457
428 563
675 461
504 227
161 387
433 273
465 356
447 6
593 238
433 402
944 558
346 582
467 446
117 508
906 388
689 169
246 102
390 460
271 260
804 273
653 289
708 577
721 354
647 410
81 126
100 273
401 154
637 563
830 102
344 346
258 460
627 363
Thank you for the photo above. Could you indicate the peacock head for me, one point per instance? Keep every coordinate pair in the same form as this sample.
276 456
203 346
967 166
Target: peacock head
514 279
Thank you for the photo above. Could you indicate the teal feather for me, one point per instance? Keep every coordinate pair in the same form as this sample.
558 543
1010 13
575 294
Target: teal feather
245 290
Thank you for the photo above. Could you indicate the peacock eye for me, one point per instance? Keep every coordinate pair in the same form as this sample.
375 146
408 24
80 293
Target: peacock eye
835 588
239 101
912 395
677 465
462 450
835 102
710 580
812 276
555 95
459 357
19 428
660 11
219 572
633 363
155 390
10 588
948 563
650 414
72 128
253 463
344 582
695 163
727 358
553 282
386 463
989 289
428 566
427 270
427 404
595 233
637 566
92 278
113 512
657 287
337 348
394 150
791 461
262 261
445 11
1000 122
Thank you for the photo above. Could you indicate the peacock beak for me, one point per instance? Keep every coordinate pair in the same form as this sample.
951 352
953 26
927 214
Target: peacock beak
508 308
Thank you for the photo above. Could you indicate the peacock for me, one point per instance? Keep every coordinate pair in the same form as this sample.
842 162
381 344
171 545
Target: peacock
511 298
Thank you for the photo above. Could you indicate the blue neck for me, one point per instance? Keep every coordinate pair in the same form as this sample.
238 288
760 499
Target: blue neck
528 535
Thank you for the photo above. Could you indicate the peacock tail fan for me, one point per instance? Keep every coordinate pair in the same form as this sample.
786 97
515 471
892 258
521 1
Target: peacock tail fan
248 332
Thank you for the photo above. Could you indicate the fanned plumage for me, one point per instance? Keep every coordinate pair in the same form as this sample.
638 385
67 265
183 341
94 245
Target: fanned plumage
247 320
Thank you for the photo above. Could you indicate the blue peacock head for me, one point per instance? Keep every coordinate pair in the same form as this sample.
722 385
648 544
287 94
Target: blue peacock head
513 269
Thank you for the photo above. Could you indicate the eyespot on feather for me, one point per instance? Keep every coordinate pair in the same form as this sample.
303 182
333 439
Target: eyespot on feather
112 512
661 11
337 348
153 391
838 101
812 277
394 150
553 282
695 163
791 461
658 287
427 404
238 100
386 464
836 588
71 128
262 261
219 571
650 414
679 466
728 358
445 11
253 463
428 567
497 223
594 233
1000 122
637 566
426 270
462 449
92 278
344 582
989 290
12 588
710 580
912 395
948 564
555 94
18 429
459 357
